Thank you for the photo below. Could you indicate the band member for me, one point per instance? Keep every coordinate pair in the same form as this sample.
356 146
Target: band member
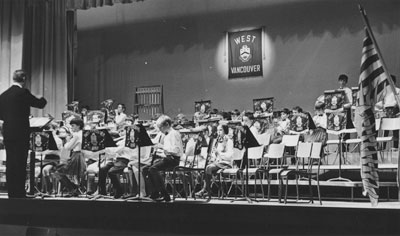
282 126
172 151
221 158
391 109
15 105
114 168
120 115
75 165
348 94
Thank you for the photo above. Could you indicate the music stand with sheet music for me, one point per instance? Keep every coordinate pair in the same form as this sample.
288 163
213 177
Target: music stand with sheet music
249 141
337 125
40 142
36 125
96 140
141 139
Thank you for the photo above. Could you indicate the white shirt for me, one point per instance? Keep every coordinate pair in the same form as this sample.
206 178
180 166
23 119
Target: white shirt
17 84
173 142
348 96
321 121
390 99
75 143
120 118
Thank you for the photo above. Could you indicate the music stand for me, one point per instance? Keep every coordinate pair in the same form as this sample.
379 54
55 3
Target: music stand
36 125
339 130
142 139
96 140
249 141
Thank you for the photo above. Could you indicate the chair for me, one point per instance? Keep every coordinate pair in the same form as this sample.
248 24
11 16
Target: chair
234 171
315 157
275 152
290 142
264 139
187 166
303 153
256 154
387 124
310 152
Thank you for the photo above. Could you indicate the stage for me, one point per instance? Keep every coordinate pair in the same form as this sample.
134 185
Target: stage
81 216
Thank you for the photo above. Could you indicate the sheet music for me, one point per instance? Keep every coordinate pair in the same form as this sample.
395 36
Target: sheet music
38 122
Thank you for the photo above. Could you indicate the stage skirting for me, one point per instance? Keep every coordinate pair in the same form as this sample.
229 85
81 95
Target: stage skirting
199 217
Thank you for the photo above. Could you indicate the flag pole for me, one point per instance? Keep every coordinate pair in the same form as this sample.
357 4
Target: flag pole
391 83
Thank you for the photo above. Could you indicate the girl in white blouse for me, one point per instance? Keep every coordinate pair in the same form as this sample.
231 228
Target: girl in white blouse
221 158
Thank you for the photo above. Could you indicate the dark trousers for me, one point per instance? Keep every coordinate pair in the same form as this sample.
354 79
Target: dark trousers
17 154
113 170
166 163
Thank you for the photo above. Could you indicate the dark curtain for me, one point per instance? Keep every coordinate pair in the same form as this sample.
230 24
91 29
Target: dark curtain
45 53
72 50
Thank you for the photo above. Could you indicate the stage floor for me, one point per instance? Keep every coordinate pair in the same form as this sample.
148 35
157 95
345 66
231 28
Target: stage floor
197 217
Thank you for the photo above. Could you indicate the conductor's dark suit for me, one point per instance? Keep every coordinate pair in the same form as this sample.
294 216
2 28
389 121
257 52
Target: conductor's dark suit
15 105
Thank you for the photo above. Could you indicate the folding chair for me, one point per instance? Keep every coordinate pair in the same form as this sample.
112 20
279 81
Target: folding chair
275 152
256 154
233 172
290 142
388 124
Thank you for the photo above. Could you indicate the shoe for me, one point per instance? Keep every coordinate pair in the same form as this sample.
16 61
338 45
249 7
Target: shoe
201 193
118 195
155 196
167 198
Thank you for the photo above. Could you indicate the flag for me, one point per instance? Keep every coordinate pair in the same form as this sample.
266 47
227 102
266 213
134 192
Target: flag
373 85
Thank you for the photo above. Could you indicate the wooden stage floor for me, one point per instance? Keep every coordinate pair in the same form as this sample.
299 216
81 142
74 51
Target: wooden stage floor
82 216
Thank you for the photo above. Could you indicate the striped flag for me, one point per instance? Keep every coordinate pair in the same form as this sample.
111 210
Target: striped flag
373 85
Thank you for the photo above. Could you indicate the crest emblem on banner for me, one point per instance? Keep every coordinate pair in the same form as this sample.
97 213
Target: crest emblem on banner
245 53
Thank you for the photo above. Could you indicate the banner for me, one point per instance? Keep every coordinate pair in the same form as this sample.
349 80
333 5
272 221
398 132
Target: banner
245 53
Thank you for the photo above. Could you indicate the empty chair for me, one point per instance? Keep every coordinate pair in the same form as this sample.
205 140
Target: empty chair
302 155
274 155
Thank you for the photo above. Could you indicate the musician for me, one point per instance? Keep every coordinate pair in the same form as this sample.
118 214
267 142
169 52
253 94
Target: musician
297 111
173 150
248 120
221 158
391 109
75 165
282 126
15 105
120 115
133 170
348 94
235 115
320 119
52 158
116 167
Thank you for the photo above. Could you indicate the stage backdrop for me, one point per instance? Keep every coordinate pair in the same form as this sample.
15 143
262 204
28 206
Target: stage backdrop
182 45
245 53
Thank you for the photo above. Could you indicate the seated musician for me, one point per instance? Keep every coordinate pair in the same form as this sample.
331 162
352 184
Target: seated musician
75 165
221 158
92 162
120 115
391 110
116 167
133 168
172 152
282 126
52 158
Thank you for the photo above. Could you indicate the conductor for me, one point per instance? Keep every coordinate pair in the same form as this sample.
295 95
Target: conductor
15 105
